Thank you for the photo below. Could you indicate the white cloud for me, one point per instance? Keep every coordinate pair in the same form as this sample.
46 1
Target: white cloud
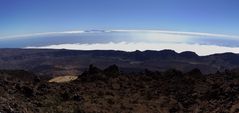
147 40
163 32
41 34
181 33
178 47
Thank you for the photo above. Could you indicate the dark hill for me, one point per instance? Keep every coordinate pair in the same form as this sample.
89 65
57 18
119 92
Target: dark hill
188 54
61 62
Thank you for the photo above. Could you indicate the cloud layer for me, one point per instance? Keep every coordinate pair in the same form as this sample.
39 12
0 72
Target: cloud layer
129 40
178 47
179 33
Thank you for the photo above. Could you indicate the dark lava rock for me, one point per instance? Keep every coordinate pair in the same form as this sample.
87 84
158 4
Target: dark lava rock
27 91
95 91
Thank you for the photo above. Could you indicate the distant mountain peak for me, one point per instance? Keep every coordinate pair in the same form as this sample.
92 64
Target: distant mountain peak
188 54
94 31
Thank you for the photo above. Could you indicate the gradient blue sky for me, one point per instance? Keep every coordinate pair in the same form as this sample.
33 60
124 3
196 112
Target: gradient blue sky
30 16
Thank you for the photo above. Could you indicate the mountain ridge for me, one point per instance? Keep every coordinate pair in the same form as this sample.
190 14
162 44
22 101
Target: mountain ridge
56 62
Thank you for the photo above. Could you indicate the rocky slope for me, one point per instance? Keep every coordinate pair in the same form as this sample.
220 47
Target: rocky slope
112 91
68 62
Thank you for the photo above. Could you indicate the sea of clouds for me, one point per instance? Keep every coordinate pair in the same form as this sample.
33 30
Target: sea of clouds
131 40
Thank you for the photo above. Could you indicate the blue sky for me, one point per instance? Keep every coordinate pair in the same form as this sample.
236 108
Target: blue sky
32 16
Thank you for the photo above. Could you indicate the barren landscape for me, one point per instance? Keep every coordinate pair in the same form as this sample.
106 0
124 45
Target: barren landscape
112 91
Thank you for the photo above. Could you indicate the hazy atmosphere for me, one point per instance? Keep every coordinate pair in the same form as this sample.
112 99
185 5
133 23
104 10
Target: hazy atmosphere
205 27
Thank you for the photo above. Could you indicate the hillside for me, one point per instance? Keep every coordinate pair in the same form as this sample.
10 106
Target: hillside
48 62
112 91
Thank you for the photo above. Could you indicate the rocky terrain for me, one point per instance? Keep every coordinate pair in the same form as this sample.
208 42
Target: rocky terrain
114 91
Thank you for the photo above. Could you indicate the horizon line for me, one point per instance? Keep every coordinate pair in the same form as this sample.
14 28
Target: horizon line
187 33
